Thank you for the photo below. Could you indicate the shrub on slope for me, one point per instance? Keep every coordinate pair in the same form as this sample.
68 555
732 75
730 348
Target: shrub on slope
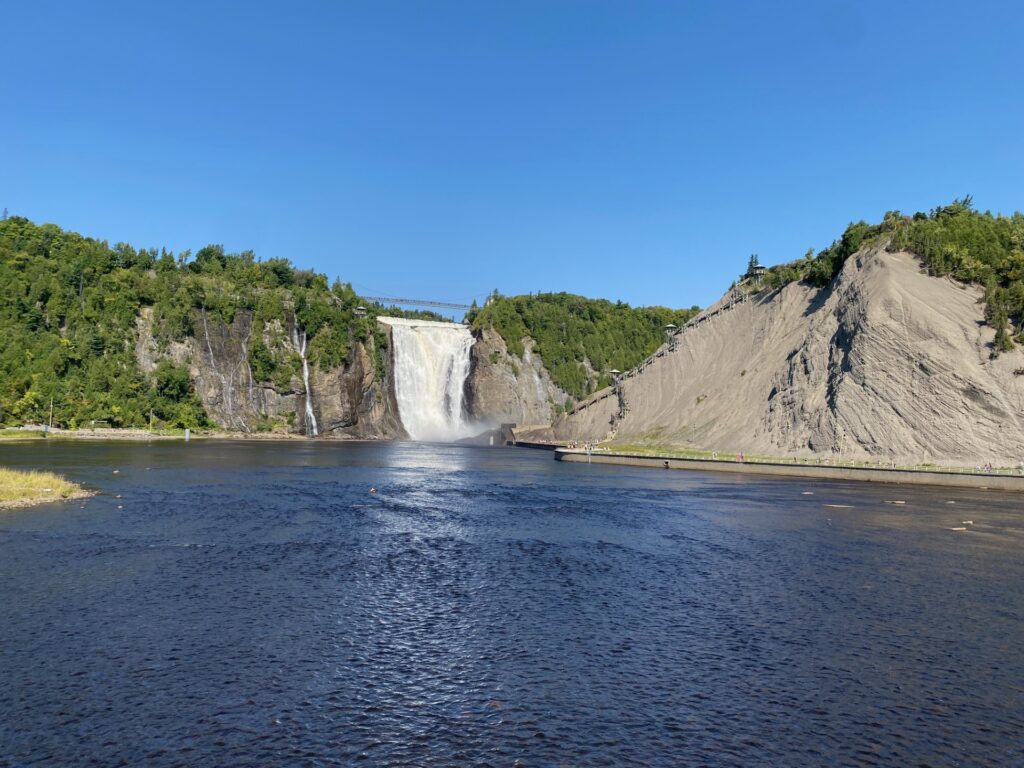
955 240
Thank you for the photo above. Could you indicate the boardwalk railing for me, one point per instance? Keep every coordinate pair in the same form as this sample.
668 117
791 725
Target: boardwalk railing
736 296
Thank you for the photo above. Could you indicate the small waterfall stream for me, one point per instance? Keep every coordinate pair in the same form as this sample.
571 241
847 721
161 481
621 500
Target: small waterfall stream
300 347
431 366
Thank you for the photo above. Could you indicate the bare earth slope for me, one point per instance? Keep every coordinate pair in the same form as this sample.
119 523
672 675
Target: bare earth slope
888 362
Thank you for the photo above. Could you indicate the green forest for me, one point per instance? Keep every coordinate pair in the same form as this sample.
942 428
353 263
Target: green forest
570 329
68 310
954 240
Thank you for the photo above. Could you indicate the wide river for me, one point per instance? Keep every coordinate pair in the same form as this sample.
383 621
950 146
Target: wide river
254 604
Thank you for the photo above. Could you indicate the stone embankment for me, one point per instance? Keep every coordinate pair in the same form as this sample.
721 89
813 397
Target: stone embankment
1003 480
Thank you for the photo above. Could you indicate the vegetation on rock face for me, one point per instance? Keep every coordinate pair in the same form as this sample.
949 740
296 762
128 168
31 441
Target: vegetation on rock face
579 339
69 306
954 240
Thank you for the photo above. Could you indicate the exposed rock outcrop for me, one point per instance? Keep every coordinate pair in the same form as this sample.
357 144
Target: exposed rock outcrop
349 400
503 387
887 362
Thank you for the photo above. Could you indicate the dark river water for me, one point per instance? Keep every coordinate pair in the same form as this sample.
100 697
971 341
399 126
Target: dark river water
230 604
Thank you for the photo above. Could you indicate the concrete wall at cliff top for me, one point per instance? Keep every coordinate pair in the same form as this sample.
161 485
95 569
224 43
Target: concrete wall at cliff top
887 362
349 400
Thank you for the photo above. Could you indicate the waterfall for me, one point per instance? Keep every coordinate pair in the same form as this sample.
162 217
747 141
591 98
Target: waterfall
431 366
301 348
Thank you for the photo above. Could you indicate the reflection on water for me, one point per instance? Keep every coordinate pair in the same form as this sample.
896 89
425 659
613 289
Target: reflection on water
254 604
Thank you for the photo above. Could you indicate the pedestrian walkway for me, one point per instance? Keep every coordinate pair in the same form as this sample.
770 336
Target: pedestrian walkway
736 296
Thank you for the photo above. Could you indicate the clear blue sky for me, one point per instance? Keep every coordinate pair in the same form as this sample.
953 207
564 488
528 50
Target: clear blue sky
632 150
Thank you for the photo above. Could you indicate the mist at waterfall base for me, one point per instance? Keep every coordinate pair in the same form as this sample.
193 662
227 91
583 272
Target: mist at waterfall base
431 363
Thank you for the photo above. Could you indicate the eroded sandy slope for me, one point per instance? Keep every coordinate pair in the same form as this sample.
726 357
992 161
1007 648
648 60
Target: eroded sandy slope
888 362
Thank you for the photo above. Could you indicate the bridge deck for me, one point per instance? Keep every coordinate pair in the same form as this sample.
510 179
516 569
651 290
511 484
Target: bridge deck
417 302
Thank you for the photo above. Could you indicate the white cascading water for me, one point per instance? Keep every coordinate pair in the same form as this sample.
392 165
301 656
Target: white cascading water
311 429
431 366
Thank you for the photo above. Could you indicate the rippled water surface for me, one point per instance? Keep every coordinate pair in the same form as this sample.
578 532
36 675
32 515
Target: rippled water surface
254 604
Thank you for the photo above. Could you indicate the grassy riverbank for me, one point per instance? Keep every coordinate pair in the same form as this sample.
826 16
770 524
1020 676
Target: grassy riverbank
24 489
9 435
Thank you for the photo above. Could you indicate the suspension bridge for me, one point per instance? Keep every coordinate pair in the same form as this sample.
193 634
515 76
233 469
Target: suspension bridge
417 302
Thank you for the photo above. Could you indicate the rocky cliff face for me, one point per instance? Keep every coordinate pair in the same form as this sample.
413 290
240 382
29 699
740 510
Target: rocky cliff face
353 400
887 362
502 387
349 400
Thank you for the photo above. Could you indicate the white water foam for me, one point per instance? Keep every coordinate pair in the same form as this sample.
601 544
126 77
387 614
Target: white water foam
431 366
311 427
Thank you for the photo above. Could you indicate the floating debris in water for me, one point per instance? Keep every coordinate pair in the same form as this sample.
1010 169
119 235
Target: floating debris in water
967 522
839 506
807 493
958 528
117 472
895 502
